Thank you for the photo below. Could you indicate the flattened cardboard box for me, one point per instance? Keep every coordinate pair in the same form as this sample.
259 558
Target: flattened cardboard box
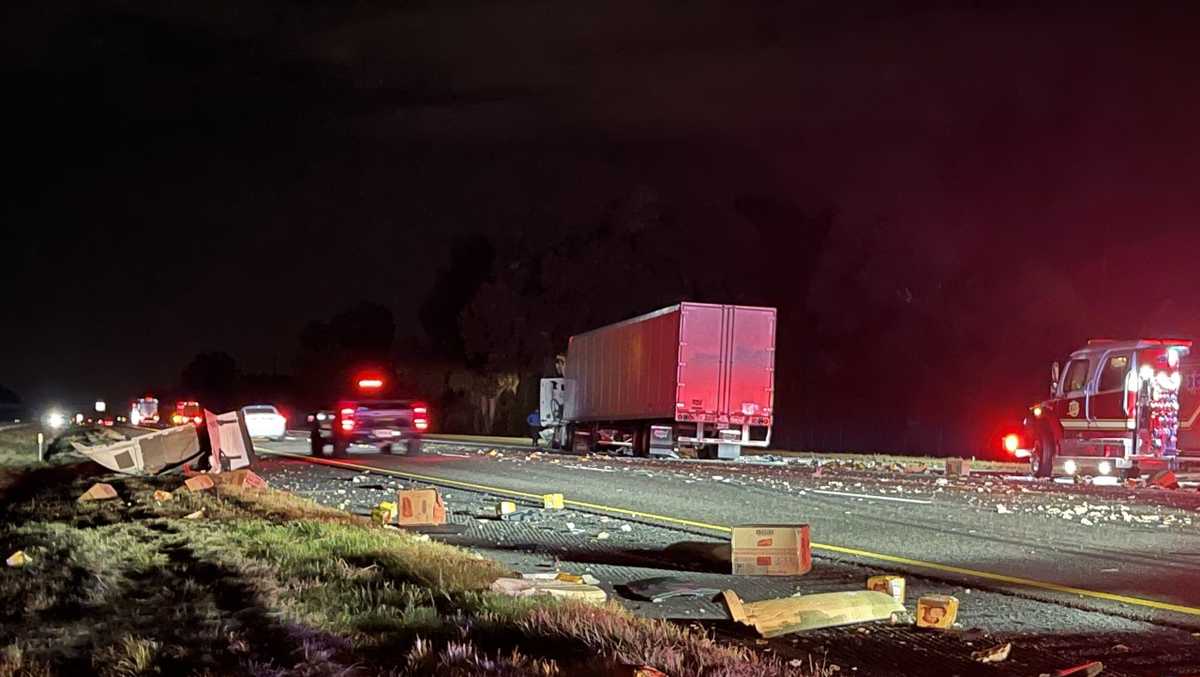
771 550
420 507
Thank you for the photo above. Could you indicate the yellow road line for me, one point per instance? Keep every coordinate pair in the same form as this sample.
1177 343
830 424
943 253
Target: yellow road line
856 552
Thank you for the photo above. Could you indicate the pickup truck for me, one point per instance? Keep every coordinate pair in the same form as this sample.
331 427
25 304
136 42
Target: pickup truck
380 423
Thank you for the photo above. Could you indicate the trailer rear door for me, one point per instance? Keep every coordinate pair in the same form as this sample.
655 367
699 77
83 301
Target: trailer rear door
726 362
750 380
701 360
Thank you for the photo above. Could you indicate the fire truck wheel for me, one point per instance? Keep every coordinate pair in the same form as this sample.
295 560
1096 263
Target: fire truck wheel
316 444
1041 462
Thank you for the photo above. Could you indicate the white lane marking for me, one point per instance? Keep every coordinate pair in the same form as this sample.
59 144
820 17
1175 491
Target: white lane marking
847 494
443 453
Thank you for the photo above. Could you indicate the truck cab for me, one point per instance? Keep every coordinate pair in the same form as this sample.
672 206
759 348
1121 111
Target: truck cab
369 415
1113 409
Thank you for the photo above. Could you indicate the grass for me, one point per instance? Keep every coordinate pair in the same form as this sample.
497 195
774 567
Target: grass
266 583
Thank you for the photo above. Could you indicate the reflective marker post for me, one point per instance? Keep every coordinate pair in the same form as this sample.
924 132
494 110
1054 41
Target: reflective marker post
41 443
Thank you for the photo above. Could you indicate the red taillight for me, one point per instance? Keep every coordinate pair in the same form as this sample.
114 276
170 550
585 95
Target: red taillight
421 424
196 420
420 409
347 424
347 411
370 383
1012 442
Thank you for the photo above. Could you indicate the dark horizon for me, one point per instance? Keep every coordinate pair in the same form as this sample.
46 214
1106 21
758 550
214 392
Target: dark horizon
939 202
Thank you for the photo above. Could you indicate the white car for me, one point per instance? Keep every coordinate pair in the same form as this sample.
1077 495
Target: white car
264 420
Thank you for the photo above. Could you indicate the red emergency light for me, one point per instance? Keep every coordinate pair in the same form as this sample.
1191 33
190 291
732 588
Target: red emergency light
370 383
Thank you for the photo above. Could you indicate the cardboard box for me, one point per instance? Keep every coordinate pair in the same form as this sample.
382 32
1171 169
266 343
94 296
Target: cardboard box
384 513
99 492
420 507
958 467
937 611
552 501
505 508
241 478
771 550
199 483
888 585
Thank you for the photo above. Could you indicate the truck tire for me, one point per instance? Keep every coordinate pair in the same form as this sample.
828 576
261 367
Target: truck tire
641 441
413 446
1041 462
316 444
386 449
339 447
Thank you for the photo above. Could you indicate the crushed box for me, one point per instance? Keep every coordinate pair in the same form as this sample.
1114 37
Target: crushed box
771 550
937 611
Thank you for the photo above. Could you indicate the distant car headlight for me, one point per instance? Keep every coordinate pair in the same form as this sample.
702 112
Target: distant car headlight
55 420
320 417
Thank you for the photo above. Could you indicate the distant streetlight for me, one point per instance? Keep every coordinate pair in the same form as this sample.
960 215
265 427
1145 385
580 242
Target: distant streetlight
101 406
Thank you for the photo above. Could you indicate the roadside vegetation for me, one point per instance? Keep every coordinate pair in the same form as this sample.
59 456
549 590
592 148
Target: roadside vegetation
265 583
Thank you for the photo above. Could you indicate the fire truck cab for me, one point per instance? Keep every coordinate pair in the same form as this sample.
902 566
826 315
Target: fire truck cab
1113 409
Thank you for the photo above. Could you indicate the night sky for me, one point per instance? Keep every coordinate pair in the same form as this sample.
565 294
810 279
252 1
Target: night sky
1002 184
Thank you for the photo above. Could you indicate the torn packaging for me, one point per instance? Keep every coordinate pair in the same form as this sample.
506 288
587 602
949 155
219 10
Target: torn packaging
775 617
98 492
147 454
523 587
244 477
231 445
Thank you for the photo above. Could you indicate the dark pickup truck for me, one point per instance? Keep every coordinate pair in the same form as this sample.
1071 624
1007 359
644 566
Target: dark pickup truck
383 424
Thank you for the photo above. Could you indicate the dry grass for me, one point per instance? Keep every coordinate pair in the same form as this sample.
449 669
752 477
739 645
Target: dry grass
267 583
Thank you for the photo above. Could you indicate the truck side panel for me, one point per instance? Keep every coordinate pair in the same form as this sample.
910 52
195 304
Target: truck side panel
625 371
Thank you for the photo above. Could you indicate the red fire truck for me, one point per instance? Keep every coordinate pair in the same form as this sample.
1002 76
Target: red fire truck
1116 407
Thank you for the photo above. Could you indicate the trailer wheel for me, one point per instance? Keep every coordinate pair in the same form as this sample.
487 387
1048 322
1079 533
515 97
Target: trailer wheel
641 441
1041 462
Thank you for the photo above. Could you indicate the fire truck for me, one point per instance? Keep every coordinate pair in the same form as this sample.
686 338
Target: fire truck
1117 407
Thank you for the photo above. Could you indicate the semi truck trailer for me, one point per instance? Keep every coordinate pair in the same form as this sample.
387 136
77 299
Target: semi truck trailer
693 377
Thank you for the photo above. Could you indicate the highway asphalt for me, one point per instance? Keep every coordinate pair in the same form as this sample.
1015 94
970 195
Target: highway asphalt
1130 552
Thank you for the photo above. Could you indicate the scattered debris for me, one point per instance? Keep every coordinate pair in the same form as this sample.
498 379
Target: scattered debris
958 467
602 535
162 496
771 550
529 587
199 483
1163 479
243 477
552 501
937 611
522 515
99 492
563 576
775 617
995 654
18 559
660 588
1003 509
1089 669
420 507
505 508
147 454
194 515
888 585
647 671
384 513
